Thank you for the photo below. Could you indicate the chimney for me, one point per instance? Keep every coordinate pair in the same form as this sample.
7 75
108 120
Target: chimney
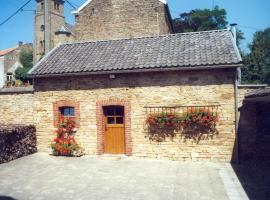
233 30
20 43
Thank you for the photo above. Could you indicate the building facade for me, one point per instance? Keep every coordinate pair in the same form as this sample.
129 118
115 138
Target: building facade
10 61
118 19
98 20
50 27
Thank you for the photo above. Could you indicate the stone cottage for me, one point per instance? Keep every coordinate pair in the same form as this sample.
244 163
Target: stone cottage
109 87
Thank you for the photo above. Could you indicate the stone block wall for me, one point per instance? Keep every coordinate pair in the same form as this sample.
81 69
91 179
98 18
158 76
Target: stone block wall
16 108
114 19
142 89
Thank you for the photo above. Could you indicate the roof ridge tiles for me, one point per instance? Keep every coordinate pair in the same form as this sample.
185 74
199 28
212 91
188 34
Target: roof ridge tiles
146 37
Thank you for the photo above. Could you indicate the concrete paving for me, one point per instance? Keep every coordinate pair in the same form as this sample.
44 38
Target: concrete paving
41 176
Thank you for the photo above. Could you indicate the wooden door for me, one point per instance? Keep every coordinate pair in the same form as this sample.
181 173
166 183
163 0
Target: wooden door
114 129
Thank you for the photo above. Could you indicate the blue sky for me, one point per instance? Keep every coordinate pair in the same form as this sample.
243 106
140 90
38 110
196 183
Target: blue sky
251 15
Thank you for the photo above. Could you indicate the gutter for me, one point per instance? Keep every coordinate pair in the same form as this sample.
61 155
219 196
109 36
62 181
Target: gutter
135 71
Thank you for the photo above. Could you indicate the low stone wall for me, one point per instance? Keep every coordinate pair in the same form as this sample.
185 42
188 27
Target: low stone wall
16 105
16 141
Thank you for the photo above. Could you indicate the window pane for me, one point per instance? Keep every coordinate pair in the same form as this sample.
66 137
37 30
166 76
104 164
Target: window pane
71 111
111 120
119 120
110 111
67 111
119 111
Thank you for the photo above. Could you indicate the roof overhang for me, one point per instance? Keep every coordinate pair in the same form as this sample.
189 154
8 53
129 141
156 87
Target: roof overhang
191 68
89 1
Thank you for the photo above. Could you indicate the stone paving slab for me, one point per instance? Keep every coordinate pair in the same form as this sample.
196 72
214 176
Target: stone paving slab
41 176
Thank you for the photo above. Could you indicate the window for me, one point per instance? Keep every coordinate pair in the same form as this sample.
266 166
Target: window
56 6
42 28
9 77
42 6
114 114
66 109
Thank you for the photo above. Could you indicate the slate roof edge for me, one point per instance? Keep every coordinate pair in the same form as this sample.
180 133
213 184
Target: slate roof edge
158 69
43 59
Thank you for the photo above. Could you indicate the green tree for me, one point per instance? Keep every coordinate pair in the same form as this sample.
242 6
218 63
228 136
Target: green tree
203 20
26 59
257 62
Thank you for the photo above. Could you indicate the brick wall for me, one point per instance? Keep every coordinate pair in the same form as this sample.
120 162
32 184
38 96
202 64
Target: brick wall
141 89
113 19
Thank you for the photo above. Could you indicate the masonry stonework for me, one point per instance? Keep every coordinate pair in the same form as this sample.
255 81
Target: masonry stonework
114 19
141 89
17 109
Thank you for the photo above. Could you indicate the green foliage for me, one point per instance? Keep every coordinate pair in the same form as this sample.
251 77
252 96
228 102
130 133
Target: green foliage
257 62
26 59
204 20
21 73
201 20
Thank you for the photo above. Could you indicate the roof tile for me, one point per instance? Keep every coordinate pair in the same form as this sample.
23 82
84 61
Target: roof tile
175 50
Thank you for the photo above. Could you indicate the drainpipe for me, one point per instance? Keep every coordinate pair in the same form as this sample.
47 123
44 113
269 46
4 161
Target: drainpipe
236 83
234 34
236 116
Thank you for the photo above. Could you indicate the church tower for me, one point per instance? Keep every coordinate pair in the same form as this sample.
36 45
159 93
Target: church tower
49 18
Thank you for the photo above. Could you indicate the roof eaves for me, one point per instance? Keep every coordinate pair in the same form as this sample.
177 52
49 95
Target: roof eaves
227 66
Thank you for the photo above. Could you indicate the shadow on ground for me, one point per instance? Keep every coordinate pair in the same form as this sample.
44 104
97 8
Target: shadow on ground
255 178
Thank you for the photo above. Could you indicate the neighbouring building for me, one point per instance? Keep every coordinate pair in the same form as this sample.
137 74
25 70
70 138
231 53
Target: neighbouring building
10 61
50 27
115 19
98 20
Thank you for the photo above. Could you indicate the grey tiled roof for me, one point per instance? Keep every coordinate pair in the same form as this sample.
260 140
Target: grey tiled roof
209 48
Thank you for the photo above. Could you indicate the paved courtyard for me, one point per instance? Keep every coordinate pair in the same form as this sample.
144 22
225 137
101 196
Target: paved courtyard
40 176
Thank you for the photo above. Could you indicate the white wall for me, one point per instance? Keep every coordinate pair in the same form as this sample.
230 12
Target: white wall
2 75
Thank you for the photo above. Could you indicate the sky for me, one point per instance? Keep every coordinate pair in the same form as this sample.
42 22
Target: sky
250 15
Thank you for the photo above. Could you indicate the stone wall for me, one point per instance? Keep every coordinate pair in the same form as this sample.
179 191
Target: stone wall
16 108
142 89
114 19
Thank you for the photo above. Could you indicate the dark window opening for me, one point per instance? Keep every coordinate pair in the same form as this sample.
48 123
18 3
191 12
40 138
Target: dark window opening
56 6
114 114
67 111
42 28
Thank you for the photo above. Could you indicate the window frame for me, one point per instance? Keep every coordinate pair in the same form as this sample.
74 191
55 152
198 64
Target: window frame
57 106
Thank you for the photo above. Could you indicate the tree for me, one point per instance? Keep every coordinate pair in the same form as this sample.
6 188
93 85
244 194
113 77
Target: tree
257 62
201 20
204 20
26 59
